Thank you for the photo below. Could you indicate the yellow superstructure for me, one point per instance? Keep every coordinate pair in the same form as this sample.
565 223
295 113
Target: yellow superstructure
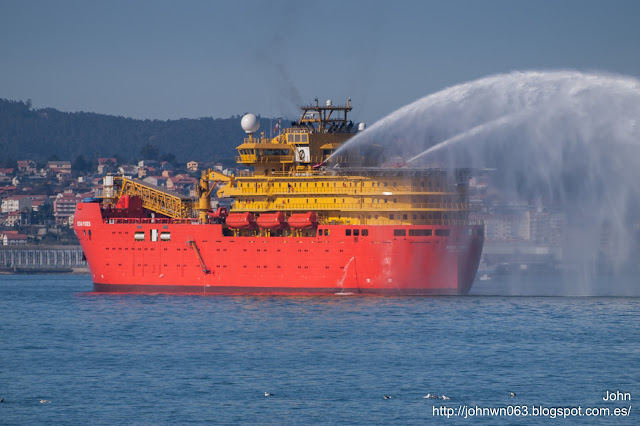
370 197
286 178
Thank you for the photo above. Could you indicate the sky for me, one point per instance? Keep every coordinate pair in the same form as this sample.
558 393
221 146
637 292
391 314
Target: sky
187 59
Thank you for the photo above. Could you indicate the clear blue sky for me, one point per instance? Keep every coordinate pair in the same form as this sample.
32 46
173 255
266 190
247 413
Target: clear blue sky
176 59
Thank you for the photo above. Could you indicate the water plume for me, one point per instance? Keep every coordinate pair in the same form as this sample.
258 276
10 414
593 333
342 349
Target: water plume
568 138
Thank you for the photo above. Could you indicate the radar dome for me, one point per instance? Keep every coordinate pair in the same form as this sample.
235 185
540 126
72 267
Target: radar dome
250 123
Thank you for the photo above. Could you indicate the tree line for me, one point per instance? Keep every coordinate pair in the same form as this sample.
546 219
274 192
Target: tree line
46 133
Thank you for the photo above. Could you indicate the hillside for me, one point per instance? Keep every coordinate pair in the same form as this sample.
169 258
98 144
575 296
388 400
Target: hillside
40 134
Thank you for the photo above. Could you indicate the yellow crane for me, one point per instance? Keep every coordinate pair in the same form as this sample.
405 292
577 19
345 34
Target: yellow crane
170 204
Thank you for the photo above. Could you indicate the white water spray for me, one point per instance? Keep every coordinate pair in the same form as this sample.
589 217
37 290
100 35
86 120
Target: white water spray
344 276
501 122
569 138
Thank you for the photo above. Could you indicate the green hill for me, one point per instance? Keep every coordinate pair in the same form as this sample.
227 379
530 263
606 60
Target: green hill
38 134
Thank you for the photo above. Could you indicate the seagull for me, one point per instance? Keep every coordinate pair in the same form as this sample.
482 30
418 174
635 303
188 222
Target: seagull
512 394
429 396
268 394
445 397
45 401
386 396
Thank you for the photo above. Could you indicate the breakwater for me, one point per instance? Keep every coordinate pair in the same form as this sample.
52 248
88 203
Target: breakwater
42 259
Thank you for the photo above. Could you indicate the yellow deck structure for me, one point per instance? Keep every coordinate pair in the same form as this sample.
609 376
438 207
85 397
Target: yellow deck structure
285 180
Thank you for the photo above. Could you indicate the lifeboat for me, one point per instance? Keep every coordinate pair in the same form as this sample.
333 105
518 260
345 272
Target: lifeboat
307 220
244 220
271 220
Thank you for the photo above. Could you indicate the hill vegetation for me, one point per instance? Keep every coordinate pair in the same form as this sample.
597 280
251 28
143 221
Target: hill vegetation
41 134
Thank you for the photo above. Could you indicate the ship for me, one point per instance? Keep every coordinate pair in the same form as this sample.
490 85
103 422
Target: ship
305 214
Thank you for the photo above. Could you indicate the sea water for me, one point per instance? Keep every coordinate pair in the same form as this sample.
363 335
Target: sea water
169 359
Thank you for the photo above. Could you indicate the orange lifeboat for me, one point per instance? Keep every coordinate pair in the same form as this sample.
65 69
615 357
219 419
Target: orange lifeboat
244 220
303 220
271 220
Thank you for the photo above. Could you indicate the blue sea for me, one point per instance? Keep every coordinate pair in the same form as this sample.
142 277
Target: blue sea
166 359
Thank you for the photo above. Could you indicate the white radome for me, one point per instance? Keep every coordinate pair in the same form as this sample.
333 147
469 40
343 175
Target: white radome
250 123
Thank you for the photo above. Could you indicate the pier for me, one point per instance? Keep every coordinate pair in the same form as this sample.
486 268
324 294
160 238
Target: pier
42 259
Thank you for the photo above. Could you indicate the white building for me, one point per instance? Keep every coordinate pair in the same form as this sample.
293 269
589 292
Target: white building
64 206
15 203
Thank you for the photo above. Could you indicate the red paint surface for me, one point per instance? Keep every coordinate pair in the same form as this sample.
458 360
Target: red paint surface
378 263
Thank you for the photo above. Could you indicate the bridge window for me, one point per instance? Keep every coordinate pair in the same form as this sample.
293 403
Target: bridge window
347 232
365 232
399 232
419 232
443 232
356 232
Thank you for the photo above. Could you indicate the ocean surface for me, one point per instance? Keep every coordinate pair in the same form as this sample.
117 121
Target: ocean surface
166 359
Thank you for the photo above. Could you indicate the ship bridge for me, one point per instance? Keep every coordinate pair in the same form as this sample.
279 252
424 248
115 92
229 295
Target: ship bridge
320 130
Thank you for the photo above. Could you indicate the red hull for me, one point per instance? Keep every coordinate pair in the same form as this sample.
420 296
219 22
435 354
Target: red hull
192 258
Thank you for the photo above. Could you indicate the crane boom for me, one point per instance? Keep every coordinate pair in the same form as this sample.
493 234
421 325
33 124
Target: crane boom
170 204
156 199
